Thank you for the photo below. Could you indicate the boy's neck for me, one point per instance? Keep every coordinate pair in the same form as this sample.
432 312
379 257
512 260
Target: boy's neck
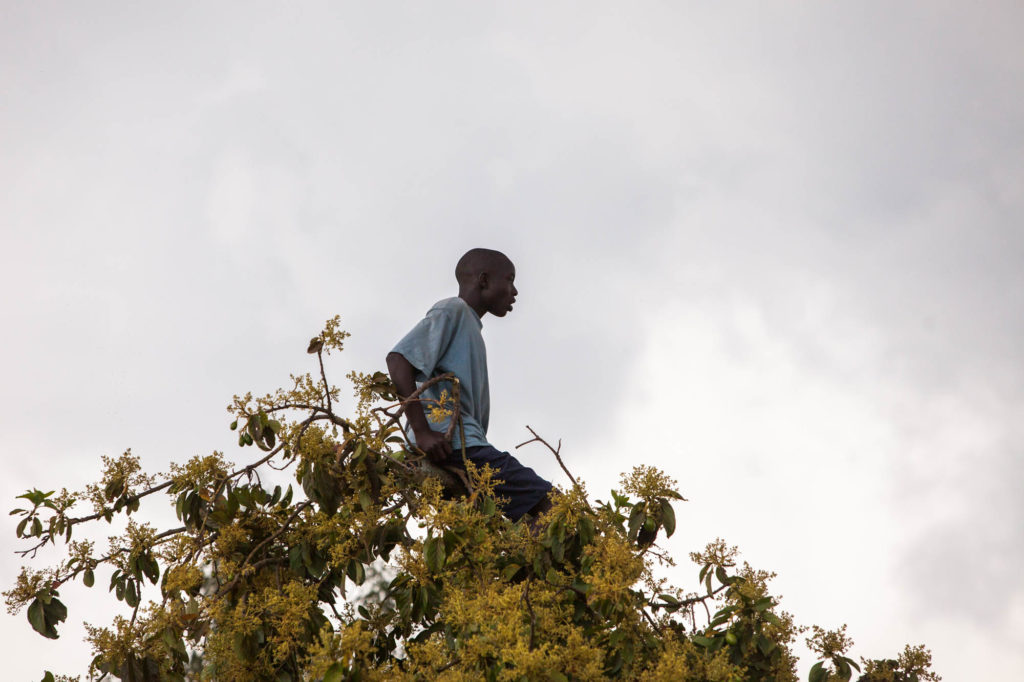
472 299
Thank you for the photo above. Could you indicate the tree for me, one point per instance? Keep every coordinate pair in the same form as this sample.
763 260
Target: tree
252 584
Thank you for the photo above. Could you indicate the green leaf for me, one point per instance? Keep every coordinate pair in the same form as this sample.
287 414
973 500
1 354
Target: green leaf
636 519
721 575
510 571
355 571
488 507
55 611
763 604
586 530
151 568
36 617
131 593
766 645
818 672
433 552
48 677
89 578
253 428
335 673
668 518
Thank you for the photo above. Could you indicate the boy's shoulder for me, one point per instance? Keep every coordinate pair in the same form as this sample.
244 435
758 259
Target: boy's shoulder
453 304
455 308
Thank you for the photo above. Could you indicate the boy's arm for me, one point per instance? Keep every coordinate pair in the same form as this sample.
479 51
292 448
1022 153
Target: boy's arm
403 375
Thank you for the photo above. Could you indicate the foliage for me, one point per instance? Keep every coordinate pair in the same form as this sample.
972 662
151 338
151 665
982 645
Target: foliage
254 583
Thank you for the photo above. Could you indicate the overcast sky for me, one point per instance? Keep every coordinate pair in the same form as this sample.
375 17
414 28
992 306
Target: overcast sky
773 248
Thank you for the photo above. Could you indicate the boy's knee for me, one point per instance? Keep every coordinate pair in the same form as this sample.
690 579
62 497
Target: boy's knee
543 505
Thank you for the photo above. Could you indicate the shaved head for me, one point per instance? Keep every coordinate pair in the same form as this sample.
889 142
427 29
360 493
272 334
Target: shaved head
478 261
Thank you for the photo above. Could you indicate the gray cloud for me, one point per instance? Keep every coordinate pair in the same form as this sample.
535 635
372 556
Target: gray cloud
797 207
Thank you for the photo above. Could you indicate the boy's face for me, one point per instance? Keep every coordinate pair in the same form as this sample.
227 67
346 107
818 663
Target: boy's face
499 292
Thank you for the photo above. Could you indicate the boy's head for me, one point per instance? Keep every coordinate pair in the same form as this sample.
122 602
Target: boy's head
487 281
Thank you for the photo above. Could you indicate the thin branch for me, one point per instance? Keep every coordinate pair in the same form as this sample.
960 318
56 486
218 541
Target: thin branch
238 573
412 397
137 496
533 616
650 620
120 550
556 451
323 375
709 595
453 663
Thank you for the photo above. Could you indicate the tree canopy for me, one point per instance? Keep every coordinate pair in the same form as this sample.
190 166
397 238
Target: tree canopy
257 582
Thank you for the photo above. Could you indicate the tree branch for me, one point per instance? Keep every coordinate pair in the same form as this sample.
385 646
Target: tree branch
555 451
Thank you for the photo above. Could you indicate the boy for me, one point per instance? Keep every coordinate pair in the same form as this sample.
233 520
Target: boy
448 339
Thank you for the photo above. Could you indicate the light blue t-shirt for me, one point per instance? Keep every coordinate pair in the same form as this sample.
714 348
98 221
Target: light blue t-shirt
448 339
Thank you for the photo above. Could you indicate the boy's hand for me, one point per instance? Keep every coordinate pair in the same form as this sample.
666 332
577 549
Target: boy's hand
434 444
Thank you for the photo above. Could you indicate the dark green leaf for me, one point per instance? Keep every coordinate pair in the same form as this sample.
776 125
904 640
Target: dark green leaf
55 611
335 673
433 552
668 518
636 519
702 641
721 575
131 593
36 616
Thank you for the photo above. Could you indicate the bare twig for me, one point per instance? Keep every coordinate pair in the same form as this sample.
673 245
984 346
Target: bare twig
556 451
650 620
452 664
704 598
323 375
533 616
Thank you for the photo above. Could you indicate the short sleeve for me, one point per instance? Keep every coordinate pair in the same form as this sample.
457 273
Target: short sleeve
426 343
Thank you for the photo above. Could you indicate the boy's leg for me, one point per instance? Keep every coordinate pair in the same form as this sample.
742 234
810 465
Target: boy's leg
525 491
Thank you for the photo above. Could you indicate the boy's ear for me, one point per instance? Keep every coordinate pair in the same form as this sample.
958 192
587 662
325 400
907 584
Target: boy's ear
483 280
